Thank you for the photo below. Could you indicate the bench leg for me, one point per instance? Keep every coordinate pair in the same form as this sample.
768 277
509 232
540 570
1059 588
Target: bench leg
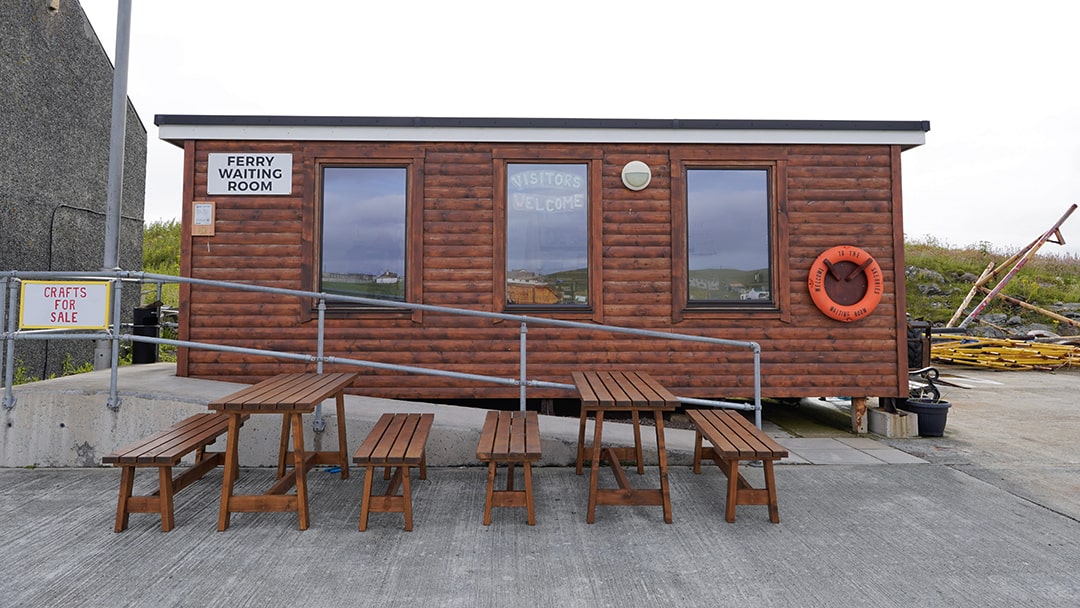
594 482
581 441
770 488
637 443
697 452
490 492
661 451
165 488
300 470
232 466
423 464
406 493
731 470
529 494
365 497
283 445
343 439
127 484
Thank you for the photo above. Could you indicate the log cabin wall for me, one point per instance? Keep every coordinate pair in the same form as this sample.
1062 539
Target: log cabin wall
823 195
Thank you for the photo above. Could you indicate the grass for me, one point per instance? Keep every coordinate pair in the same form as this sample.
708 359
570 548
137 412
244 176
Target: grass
1044 281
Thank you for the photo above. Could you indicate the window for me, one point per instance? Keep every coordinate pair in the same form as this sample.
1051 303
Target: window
728 260
364 214
547 234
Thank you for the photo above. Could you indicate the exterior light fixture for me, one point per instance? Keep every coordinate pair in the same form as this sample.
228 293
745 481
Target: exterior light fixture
636 175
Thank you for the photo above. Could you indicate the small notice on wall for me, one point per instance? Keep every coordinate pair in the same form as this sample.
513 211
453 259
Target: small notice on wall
71 305
249 174
202 222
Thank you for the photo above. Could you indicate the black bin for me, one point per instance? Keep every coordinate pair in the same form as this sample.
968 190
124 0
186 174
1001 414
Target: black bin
918 344
144 323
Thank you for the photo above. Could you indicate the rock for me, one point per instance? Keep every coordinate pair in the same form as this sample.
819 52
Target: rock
932 289
913 272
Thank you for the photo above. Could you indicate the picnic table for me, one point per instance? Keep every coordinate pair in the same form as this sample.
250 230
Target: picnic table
632 392
290 395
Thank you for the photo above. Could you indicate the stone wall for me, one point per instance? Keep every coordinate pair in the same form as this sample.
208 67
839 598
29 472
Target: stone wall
55 121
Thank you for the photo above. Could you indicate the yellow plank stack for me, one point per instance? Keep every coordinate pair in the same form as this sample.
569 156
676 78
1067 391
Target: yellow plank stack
1005 354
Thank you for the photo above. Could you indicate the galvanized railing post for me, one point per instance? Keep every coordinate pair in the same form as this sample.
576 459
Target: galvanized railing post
322 334
114 398
3 323
9 361
757 385
524 376
318 424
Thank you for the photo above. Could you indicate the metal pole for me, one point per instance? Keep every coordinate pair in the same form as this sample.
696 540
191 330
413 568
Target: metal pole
117 137
114 399
3 323
524 376
9 374
757 386
318 424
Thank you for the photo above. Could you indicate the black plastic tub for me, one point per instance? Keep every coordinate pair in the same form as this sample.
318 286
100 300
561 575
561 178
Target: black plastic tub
932 415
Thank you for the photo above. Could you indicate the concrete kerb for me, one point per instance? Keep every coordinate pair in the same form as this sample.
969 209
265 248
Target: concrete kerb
64 422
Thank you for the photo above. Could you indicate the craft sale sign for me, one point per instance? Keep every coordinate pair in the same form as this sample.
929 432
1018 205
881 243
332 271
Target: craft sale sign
70 305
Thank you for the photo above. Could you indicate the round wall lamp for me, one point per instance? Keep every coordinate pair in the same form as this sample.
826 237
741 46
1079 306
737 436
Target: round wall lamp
636 175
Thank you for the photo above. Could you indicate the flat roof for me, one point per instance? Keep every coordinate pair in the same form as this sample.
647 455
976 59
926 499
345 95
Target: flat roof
177 128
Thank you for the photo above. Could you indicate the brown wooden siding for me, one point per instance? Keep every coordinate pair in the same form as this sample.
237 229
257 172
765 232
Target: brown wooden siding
829 195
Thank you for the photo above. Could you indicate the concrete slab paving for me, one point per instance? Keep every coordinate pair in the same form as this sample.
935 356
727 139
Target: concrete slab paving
985 516
923 535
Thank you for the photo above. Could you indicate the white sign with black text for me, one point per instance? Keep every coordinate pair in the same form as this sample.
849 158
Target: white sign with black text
249 173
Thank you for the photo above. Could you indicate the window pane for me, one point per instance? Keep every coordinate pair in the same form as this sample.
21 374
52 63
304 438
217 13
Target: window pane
728 235
363 232
547 234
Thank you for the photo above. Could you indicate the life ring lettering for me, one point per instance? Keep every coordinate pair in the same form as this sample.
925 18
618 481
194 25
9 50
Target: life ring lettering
846 283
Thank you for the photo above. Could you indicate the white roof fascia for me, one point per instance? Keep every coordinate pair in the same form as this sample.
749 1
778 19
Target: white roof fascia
538 135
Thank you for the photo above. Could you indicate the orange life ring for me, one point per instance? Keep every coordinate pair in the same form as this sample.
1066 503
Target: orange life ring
846 283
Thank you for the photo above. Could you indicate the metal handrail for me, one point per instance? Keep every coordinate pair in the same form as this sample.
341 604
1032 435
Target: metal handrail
12 278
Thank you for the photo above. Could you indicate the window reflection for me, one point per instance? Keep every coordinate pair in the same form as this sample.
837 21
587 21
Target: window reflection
363 231
547 234
728 235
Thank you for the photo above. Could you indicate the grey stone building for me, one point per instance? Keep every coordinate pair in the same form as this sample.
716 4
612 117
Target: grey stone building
55 121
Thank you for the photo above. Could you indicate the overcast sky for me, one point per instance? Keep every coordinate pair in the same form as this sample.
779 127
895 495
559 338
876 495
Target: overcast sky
995 79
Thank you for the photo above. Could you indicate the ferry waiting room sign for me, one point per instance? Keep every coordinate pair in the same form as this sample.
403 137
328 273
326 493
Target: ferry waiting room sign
68 305
248 173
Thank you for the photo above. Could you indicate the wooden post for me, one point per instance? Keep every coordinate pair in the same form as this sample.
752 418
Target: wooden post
1032 307
983 278
1054 231
858 415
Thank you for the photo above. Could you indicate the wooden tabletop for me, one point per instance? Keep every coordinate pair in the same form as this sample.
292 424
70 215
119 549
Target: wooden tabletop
619 389
285 392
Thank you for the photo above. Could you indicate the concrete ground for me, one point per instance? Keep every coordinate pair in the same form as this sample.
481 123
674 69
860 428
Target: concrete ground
985 516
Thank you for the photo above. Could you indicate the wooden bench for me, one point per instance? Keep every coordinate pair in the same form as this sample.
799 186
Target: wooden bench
734 439
509 438
165 450
397 440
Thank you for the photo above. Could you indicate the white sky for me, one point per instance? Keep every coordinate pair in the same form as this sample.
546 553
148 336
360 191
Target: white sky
996 80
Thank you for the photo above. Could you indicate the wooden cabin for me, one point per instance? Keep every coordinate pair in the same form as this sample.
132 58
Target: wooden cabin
700 227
